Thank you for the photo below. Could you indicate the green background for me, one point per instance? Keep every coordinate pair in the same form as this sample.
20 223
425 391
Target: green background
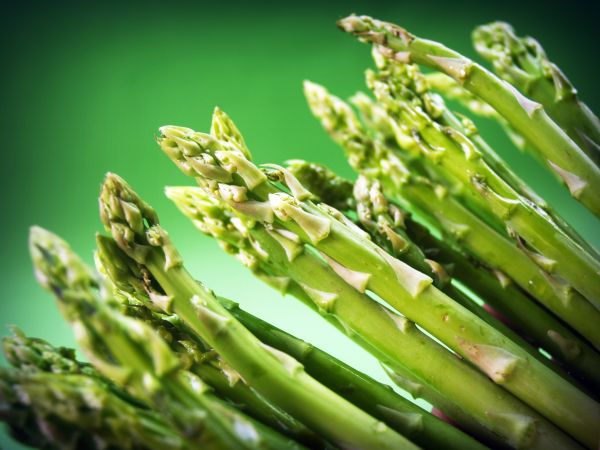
84 89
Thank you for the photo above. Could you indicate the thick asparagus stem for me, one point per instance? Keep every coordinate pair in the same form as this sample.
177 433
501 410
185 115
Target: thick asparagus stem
387 336
374 158
385 225
393 229
554 147
498 291
275 375
309 279
453 153
130 352
51 400
239 181
133 288
375 398
523 63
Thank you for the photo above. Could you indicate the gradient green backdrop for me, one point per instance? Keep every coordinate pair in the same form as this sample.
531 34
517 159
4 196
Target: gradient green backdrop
84 89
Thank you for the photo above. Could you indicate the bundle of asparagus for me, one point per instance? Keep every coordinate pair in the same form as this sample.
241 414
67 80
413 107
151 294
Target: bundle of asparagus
464 284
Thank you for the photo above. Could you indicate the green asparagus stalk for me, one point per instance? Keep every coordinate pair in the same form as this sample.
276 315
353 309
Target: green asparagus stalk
275 375
452 90
375 399
51 400
497 291
130 352
455 154
384 223
553 146
49 410
133 288
467 127
374 157
389 337
395 230
523 63
239 181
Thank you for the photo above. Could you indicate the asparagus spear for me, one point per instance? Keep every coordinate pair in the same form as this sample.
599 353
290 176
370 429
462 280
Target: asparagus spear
434 105
376 399
133 288
130 352
49 410
452 90
375 158
389 337
365 321
557 151
239 181
467 127
494 289
384 223
275 375
523 63
456 155
51 400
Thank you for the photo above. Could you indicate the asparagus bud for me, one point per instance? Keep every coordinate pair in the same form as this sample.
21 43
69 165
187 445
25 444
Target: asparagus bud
52 399
523 63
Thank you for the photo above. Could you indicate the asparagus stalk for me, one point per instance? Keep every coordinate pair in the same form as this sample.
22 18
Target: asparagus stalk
275 375
133 288
565 346
523 63
435 107
375 398
238 180
467 127
130 352
450 89
49 410
455 154
375 158
553 146
51 400
386 225
387 336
